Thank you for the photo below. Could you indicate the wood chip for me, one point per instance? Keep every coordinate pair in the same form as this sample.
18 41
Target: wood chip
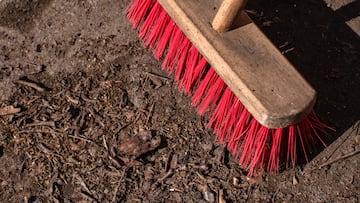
156 81
8 110
139 144
174 161
255 180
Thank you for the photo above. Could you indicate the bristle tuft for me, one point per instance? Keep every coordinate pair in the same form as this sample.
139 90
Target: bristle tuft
150 21
214 93
173 54
203 87
183 56
164 40
138 10
187 81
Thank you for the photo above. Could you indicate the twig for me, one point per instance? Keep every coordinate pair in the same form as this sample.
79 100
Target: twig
340 158
7 110
89 196
123 127
83 184
166 175
343 140
30 84
72 100
47 150
161 179
158 76
283 45
274 195
118 185
42 123
96 117
151 111
201 176
116 162
105 143
81 138
287 50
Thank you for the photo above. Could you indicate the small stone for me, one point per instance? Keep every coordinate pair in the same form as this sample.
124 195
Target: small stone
236 181
209 196
221 197
295 180
357 139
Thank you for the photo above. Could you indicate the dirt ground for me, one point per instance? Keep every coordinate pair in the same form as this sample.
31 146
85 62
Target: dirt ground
92 117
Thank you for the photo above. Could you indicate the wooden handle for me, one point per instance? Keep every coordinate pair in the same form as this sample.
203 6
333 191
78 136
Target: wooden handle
226 14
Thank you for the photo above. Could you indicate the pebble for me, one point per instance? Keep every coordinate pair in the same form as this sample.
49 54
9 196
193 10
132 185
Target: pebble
357 139
295 180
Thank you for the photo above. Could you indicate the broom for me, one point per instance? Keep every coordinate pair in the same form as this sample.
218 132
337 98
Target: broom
258 103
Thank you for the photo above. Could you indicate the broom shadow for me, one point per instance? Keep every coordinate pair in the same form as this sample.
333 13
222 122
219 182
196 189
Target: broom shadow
323 48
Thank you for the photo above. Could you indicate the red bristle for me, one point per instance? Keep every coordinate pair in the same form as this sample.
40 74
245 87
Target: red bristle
260 149
317 125
197 75
256 146
305 132
137 11
214 93
150 21
302 138
248 145
276 147
183 57
187 78
229 124
164 40
158 29
209 79
317 134
221 110
172 56
240 130
291 150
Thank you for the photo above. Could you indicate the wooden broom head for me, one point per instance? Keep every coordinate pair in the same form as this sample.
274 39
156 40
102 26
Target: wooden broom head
266 83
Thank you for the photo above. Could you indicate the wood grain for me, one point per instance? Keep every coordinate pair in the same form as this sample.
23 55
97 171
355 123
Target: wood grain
260 76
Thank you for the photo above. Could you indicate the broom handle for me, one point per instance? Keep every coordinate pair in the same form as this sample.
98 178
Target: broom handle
226 14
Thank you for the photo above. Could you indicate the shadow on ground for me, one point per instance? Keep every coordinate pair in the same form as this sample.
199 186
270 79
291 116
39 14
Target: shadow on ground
323 48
